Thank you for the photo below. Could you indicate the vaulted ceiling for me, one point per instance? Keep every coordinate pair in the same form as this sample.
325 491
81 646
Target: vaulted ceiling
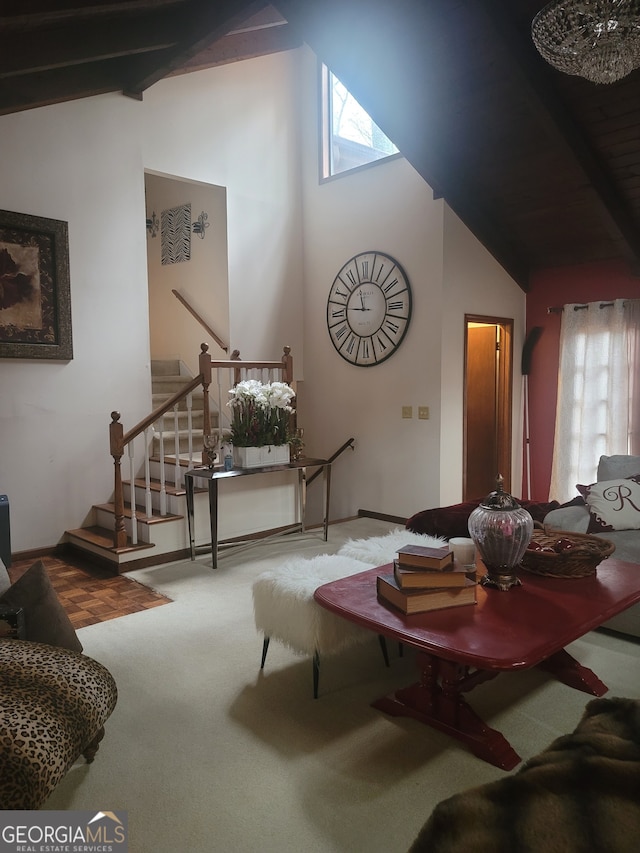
544 168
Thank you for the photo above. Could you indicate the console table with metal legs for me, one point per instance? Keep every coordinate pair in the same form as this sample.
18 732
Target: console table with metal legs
212 476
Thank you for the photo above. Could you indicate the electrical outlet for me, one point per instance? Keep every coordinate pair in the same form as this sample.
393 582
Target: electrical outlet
423 413
407 411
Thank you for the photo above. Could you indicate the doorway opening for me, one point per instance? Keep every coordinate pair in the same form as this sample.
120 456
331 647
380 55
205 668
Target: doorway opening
488 375
187 269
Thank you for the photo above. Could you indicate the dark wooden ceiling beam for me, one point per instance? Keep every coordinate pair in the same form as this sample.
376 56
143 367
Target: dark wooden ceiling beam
29 13
61 56
45 50
58 86
207 23
242 45
263 19
538 183
542 96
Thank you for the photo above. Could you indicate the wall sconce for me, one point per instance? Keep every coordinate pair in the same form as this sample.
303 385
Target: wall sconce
153 223
201 224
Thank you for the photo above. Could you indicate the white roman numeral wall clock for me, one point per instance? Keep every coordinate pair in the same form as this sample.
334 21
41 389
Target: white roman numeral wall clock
369 308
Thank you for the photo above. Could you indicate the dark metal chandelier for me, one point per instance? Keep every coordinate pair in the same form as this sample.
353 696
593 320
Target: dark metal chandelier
595 39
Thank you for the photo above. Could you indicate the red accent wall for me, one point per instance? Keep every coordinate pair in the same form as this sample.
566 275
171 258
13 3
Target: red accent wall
550 288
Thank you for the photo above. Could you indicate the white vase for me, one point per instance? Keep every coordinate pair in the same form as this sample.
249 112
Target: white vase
260 457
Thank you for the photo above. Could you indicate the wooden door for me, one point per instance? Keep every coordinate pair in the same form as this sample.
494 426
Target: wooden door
487 409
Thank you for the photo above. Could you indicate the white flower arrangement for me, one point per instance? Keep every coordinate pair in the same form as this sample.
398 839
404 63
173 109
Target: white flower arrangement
260 413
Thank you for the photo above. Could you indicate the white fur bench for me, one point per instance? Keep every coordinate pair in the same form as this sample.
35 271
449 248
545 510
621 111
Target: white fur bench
284 607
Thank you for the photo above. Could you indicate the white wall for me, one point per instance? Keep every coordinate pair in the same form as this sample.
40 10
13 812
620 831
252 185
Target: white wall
474 283
250 127
399 466
84 162
78 162
202 280
235 126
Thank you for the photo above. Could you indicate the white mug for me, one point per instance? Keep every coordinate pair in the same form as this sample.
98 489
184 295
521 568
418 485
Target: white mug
464 551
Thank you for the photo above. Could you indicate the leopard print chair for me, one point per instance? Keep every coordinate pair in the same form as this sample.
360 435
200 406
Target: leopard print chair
53 706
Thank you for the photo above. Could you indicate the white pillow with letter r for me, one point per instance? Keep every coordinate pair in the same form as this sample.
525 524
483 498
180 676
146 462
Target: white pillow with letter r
613 504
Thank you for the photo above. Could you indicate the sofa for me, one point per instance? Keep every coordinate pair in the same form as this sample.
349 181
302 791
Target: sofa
607 508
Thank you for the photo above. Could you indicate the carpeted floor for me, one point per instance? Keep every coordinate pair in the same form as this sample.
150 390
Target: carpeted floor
208 753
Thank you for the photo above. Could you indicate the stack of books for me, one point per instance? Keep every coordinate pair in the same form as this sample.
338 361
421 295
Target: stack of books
426 579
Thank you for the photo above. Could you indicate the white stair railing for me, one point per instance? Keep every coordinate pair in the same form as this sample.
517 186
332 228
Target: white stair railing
189 404
148 501
132 495
227 373
163 476
176 445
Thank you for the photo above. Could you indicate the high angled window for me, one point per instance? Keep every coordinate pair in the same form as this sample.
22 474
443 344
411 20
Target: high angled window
350 137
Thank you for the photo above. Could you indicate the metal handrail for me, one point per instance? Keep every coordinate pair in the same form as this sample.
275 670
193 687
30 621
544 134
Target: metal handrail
332 458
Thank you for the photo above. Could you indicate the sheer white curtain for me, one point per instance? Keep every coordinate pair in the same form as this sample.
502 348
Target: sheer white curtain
598 391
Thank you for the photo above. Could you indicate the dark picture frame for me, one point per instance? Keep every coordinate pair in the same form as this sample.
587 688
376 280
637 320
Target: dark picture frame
35 297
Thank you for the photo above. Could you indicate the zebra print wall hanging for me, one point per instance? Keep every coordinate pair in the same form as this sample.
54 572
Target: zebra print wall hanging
175 234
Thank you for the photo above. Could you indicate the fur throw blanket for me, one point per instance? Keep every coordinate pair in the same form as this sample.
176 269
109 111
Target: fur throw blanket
581 795
378 550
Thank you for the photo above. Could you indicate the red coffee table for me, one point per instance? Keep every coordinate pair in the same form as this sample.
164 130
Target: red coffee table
461 647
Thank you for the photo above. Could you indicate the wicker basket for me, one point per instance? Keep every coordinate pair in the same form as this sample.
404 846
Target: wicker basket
576 562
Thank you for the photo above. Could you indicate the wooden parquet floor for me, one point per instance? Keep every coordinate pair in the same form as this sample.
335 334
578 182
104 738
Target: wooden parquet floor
89 594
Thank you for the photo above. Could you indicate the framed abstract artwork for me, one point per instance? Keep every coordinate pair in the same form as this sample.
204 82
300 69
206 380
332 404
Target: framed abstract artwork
35 299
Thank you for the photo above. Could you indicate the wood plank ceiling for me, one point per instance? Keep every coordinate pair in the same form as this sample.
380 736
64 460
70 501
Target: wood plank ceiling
544 168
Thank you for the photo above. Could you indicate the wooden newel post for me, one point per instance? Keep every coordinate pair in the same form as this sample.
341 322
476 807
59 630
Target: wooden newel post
287 366
204 363
116 445
287 376
237 375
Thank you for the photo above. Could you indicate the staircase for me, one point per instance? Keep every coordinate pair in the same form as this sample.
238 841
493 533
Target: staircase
168 445
161 538
167 377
